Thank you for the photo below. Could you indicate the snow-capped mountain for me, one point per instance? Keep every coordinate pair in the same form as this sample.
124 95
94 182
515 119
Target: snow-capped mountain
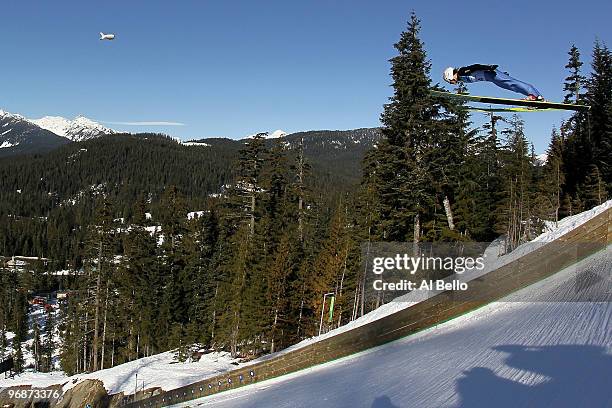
76 130
541 159
271 135
19 135
276 134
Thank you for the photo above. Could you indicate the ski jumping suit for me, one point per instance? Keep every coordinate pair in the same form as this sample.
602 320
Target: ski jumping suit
490 73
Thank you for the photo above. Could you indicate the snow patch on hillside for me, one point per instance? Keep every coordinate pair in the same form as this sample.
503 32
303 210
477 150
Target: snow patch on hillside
6 144
195 143
195 214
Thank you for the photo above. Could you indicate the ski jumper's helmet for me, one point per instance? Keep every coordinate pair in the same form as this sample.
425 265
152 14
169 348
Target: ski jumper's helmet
449 74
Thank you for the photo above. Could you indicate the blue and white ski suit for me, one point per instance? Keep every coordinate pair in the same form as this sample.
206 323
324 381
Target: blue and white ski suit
501 79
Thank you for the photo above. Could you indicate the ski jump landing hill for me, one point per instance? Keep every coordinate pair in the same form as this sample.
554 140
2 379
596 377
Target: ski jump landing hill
586 239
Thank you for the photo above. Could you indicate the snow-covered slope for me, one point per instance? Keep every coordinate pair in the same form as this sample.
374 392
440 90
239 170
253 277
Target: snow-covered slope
534 348
276 134
78 129
55 124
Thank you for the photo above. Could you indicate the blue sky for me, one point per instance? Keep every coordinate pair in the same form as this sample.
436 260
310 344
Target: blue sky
231 68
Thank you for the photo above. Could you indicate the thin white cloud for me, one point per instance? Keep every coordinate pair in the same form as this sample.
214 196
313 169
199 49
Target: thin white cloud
145 123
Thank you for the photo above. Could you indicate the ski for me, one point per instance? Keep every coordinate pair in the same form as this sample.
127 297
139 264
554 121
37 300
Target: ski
514 109
508 101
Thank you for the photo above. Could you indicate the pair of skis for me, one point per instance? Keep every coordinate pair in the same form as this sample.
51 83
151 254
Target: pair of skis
517 105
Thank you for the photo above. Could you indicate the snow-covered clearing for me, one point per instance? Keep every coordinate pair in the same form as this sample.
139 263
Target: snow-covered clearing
161 370
37 315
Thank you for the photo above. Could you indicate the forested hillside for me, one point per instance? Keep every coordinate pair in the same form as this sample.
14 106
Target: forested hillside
45 197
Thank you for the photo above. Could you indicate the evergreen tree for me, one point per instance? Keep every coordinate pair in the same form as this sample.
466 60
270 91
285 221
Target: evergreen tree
231 330
515 211
48 346
405 189
599 96
330 266
553 179
173 217
594 189
102 258
249 176
70 352
177 342
139 286
36 348
279 274
418 162
575 81
20 315
86 317
589 139
18 361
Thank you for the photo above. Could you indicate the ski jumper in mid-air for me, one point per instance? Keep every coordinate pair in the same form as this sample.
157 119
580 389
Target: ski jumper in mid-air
490 73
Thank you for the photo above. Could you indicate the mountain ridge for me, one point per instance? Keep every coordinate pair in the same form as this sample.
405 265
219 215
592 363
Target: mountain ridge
78 129
20 135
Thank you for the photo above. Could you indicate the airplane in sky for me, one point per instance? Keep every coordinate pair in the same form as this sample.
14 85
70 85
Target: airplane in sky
107 36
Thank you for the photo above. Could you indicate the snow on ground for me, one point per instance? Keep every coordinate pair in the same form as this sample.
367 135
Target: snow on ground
567 224
155 231
528 349
195 214
6 144
195 143
161 370
36 314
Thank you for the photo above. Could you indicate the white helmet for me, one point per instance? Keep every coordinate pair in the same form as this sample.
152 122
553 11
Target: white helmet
449 74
